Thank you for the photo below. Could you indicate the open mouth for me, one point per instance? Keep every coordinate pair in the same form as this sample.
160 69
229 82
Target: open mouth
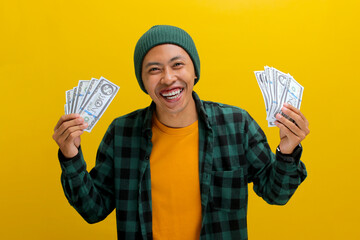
172 94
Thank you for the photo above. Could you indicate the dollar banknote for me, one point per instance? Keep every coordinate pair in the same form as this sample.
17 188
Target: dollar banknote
68 101
99 100
81 90
264 90
88 90
278 88
90 99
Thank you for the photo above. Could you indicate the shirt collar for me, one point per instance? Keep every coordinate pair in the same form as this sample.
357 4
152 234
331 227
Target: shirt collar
201 110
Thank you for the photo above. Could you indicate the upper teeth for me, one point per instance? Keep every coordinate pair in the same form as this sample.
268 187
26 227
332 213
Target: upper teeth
172 93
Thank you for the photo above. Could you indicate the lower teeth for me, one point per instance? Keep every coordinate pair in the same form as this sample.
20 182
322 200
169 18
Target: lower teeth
173 97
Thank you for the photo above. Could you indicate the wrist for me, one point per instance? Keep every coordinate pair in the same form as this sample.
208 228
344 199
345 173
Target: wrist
294 151
278 150
66 156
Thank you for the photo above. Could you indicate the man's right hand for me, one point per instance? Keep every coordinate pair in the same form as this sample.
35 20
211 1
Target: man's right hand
67 134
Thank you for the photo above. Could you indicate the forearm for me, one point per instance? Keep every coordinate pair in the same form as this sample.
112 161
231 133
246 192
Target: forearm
82 191
280 178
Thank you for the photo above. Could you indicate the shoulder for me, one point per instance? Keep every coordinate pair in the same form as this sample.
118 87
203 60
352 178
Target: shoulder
226 118
131 118
225 112
130 124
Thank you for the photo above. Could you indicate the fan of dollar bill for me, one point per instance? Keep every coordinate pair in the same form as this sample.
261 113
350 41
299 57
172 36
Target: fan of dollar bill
278 88
90 98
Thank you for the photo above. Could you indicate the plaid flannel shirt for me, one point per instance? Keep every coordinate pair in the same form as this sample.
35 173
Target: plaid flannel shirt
233 151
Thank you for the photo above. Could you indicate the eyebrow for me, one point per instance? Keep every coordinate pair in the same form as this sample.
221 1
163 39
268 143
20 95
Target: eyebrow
157 63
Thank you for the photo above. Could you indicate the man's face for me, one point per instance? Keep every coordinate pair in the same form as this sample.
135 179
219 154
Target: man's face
168 74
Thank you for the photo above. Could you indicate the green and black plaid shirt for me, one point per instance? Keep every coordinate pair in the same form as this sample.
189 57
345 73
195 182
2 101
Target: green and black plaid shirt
233 151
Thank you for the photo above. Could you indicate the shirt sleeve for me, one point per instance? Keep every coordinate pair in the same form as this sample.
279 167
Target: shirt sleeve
90 193
275 177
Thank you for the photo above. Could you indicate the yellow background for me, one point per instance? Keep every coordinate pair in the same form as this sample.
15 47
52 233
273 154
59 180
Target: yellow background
47 46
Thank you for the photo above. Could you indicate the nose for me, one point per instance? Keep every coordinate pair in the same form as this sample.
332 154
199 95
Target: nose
168 76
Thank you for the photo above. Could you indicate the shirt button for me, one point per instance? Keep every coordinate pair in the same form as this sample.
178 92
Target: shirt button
147 158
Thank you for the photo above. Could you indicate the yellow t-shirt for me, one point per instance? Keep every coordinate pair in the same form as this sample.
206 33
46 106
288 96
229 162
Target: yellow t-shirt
175 187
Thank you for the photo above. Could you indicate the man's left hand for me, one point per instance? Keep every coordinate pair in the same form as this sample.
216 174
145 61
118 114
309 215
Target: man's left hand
291 133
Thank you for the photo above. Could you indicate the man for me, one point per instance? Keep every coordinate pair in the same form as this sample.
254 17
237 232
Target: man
179 168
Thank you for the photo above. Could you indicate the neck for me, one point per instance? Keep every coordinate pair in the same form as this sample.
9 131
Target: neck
181 119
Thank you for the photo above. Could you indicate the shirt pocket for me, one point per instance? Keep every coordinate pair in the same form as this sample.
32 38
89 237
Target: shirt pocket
229 190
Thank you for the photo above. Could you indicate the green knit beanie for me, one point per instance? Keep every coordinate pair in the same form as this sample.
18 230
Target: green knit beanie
162 34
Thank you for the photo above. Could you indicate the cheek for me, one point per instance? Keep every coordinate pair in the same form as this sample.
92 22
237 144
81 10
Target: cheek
190 73
150 84
190 80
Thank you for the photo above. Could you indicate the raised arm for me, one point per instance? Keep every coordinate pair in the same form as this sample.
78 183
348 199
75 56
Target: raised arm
275 177
91 194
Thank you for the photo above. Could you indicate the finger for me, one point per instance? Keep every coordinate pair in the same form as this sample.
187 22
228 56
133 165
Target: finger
288 146
65 118
306 122
292 127
67 127
299 121
68 148
294 109
65 137
70 138
70 123
285 130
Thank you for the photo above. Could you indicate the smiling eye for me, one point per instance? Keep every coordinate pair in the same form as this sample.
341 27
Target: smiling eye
153 69
178 64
